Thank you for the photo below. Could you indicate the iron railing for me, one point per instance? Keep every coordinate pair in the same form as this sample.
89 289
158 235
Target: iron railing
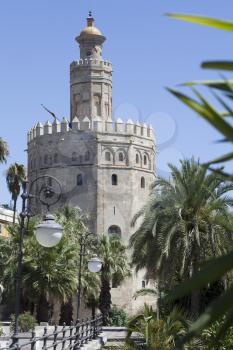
61 338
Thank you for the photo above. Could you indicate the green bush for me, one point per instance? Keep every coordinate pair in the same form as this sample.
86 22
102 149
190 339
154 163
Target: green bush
27 322
117 317
210 333
1 332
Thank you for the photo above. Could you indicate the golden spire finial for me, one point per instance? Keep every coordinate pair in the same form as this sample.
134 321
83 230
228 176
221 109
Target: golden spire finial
90 19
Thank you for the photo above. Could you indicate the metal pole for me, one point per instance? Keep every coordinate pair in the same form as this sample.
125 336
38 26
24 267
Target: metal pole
82 248
20 263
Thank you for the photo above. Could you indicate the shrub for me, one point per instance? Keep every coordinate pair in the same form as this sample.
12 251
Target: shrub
210 333
27 322
117 317
1 332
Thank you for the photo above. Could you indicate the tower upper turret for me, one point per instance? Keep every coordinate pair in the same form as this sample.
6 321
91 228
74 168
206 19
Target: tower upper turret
90 40
91 77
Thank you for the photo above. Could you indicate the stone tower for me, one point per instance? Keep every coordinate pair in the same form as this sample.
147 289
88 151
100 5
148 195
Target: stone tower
105 167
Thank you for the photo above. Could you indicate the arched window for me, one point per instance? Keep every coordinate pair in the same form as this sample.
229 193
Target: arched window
79 180
121 157
46 159
145 160
80 159
114 179
143 182
115 231
87 156
108 156
55 158
143 284
137 158
74 156
34 163
50 160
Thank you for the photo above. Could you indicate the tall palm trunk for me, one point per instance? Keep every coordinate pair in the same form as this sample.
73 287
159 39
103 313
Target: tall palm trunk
105 299
66 315
14 209
42 309
195 295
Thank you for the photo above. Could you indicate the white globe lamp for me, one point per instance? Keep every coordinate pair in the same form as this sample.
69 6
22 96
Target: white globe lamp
49 232
94 264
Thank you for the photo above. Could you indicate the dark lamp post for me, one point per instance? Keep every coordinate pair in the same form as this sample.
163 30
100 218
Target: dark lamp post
94 265
48 233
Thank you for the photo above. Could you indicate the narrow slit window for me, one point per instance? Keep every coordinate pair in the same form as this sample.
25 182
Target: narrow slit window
114 180
143 182
137 158
145 160
79 180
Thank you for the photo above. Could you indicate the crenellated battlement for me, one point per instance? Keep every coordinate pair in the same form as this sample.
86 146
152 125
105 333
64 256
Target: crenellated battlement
91 62
95 125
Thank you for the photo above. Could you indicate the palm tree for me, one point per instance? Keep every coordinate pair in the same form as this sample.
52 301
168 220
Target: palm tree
14 177
74 222
186 221
157 334
112 252
4 152
49 274
46 274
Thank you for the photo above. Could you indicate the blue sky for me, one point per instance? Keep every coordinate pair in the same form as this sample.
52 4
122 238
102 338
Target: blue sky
148 51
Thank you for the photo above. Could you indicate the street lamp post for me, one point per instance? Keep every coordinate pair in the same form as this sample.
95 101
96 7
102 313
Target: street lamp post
94 265
48 233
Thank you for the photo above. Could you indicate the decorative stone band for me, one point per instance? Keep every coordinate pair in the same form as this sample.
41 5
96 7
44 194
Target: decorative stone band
91 62
96 125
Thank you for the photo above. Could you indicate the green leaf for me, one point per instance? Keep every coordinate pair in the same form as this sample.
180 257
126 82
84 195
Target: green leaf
216 84
225 158
206 21
207 112
211 272
225 327
212 313
222 65
225 176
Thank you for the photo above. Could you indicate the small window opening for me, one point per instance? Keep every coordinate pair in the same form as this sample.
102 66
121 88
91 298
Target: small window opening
137 158
145 160
143 284
79 180
55 158
114 180
143 182
80 159
114 230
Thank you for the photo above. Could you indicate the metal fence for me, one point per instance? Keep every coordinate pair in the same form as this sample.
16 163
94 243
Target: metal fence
65 337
